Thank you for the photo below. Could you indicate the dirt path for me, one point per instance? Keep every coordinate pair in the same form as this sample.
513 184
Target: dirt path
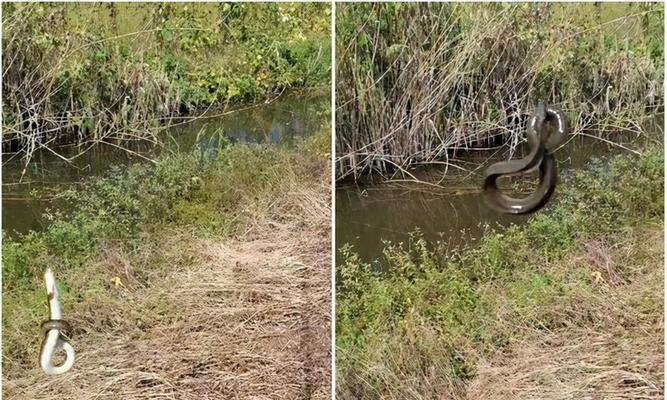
250 321
272 321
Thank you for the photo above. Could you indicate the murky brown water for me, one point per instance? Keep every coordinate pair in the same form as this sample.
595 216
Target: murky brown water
285 122
367 214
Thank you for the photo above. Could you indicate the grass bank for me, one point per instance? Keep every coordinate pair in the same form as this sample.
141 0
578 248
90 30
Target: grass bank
569 305
415 81
176 274
120 72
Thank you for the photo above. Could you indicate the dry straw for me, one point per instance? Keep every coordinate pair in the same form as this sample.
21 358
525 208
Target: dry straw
417 81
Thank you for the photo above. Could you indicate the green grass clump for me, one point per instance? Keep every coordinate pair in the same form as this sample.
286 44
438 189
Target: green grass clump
86 72
416 330
139 224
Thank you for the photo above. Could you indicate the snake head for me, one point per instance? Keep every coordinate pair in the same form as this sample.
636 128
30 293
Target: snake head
559 129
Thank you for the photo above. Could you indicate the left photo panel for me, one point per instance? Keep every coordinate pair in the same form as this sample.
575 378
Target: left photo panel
166 200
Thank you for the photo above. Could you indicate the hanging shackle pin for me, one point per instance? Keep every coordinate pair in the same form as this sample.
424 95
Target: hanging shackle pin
54 338
541 144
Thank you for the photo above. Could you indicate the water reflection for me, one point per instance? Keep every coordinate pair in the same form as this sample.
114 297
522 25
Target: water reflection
284 122
367 215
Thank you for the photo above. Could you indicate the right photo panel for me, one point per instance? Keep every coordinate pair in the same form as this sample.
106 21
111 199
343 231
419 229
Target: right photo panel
499 201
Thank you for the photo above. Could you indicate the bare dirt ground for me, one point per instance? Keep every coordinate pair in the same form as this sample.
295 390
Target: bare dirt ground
251 320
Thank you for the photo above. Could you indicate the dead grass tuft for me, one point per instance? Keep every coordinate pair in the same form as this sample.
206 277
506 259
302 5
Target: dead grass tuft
616 355
245 318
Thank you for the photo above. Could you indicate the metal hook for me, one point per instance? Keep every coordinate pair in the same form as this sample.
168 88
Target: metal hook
54 339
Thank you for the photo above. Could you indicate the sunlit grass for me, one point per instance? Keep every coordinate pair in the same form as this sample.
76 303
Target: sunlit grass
431 324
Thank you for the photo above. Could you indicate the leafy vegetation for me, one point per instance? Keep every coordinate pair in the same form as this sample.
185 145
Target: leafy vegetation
151 215
415 81
79 72
426 326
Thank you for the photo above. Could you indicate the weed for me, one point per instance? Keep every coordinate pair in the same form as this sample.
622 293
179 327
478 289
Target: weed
137 225
179 58
423 328
415 81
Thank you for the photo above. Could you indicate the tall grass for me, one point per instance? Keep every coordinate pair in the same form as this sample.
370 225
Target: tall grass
415 81
77 73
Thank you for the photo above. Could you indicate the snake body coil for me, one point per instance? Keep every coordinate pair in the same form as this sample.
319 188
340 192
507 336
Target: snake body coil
541 145
54 340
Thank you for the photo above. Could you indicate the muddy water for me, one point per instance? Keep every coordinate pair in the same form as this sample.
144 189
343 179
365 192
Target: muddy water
284 122
368 214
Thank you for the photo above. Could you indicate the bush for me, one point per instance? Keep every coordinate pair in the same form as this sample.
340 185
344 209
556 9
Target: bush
414 80
424 308
77 78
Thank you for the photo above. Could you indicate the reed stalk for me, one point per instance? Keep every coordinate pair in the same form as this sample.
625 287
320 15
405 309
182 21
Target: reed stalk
415 81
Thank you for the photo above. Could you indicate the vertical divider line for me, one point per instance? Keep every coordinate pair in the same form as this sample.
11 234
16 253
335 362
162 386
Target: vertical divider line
664 216
333 199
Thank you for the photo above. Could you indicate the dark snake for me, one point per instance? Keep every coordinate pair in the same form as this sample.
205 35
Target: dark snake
541 146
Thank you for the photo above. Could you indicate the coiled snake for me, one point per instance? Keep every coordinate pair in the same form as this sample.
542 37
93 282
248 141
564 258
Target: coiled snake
541 145
54 339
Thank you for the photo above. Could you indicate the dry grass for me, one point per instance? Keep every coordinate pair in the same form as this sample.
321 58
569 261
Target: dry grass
604 344
248 318
585 364
569 305
417 82
618 356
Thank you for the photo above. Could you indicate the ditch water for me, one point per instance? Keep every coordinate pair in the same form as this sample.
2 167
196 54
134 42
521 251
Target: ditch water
284 122
456 214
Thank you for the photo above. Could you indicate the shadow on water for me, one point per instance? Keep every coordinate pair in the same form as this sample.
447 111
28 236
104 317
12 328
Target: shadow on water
455 214
284 122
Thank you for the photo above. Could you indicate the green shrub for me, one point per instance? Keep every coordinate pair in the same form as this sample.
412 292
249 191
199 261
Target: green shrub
83 80
424 306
